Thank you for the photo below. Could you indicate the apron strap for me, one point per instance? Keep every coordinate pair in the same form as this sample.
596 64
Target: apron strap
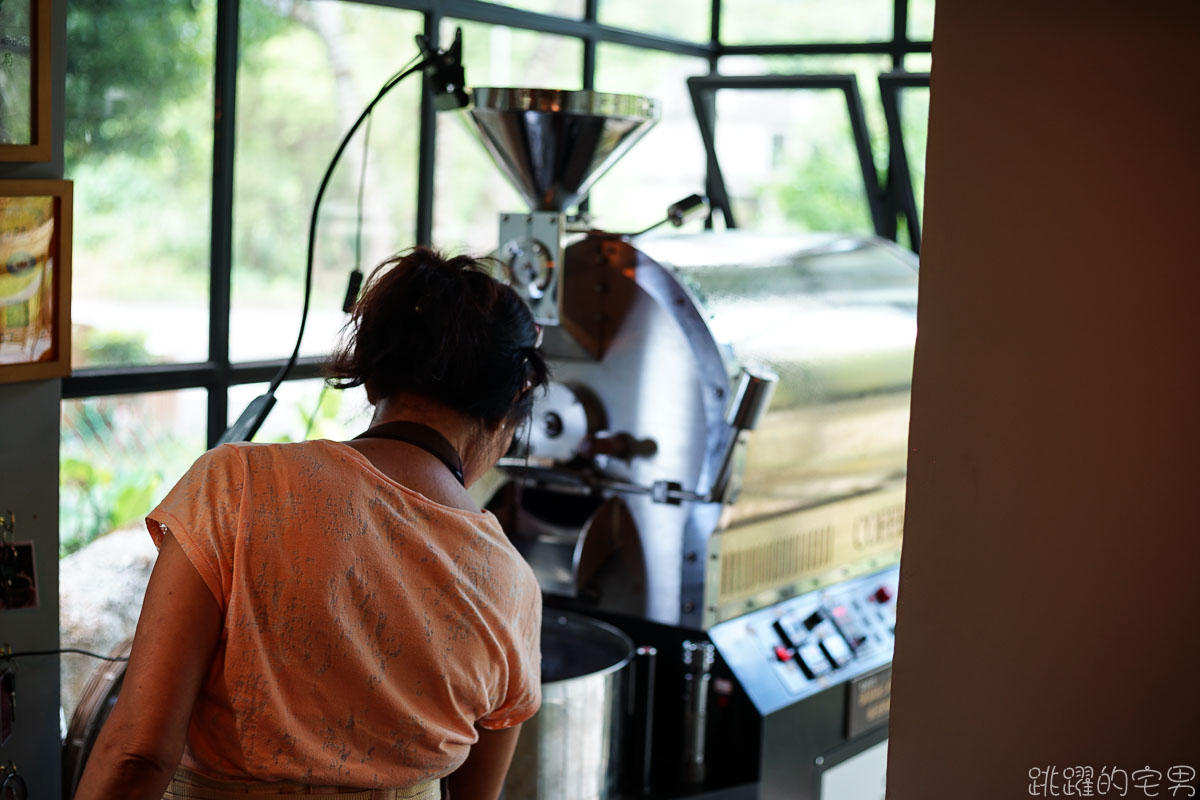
422 436
190 785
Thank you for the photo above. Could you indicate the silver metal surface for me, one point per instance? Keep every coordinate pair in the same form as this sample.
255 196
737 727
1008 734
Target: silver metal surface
698 659
657 334
835 317
570 749
559 424
531 252
755 389
559 101
554 144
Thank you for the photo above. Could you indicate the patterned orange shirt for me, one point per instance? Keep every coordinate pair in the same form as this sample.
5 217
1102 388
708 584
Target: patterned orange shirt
367 628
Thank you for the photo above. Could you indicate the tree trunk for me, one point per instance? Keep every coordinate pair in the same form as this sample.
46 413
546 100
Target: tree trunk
326 20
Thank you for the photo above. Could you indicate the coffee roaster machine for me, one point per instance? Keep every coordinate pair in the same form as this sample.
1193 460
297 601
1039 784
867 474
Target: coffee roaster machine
711 492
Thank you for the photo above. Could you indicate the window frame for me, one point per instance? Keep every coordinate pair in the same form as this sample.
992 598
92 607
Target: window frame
218 373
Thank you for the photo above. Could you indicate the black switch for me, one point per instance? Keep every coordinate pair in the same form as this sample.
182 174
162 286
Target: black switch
811 659
783 634
814 619
836 650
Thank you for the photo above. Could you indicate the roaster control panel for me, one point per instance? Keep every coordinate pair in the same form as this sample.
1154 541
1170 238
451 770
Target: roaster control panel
804 644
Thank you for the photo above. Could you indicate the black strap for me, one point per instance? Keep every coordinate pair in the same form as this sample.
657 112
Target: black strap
421 436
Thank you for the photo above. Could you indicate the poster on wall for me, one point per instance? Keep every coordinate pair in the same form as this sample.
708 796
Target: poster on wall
35 279
25 80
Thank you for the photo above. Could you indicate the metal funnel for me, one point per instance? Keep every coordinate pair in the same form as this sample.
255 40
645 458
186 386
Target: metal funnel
554 144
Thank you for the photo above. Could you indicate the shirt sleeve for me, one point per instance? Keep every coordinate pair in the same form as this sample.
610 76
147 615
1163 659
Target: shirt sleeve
523 696
202 512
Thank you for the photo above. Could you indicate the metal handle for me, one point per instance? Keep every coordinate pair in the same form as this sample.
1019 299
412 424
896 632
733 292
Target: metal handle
753 395
679 212
750 402
683 210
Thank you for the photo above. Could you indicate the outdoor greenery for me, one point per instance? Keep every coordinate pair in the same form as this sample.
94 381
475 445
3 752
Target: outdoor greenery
15 86
113 465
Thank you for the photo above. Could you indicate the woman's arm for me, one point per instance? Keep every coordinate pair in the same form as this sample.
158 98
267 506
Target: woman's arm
481 777
141 743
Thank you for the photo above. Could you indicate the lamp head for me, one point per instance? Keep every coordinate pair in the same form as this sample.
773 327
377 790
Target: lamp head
444 72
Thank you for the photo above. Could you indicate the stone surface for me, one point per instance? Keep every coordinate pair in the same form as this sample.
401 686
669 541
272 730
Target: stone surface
100 596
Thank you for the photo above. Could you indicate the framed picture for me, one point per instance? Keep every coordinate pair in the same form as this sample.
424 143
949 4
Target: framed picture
35 279
25 80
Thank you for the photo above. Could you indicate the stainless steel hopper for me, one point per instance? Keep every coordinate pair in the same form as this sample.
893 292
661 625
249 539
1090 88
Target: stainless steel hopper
554 144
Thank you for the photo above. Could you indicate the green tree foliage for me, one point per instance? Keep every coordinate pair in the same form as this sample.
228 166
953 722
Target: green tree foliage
115 45
821 193
15 88
96 499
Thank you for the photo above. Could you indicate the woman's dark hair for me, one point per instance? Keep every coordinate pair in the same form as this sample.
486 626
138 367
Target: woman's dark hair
443 328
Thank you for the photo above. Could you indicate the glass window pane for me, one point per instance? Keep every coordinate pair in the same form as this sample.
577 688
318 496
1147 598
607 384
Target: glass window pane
119 456
306 409
914 123
307 71
668 163
563 8
138 144
819 182
16 89
789 161
866 68
681 19
918 62
769 21
470 191
920 20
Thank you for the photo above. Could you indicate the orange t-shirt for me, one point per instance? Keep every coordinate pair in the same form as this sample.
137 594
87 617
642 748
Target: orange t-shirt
367 628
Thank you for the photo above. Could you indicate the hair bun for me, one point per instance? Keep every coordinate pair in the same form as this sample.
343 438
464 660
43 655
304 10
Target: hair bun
444 328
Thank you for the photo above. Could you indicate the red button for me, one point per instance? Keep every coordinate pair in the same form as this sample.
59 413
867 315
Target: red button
882 595
782 653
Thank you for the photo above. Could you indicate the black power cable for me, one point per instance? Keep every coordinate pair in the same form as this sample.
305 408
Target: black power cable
445 74
5 656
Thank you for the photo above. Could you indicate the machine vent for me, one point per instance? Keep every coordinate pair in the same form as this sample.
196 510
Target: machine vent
772 563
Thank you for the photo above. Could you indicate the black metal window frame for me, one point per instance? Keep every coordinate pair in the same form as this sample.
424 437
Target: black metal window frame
703 91
900 186
217 374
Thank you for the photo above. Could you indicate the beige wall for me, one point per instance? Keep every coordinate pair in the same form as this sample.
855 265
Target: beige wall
1051 570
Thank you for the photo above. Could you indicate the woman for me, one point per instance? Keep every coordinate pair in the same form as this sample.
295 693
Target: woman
327 617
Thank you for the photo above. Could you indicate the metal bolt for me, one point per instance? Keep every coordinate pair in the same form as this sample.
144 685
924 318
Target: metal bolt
719 392
689 607
691 558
